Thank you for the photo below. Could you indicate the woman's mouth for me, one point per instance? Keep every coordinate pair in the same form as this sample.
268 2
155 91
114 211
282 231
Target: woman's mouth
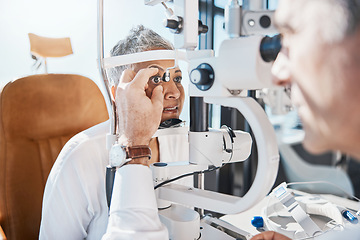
170 109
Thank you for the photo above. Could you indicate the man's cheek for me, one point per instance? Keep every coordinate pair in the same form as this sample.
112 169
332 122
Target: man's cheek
296 95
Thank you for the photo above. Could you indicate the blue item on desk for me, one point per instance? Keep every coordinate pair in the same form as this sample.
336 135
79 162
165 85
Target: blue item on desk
257 222
349 216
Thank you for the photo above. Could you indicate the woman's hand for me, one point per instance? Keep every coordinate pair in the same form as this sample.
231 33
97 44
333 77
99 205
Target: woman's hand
139 115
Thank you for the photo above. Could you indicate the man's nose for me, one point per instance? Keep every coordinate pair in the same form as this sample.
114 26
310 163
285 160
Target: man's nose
281 70
171 90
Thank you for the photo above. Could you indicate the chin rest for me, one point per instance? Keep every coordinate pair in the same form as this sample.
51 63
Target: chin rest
38 115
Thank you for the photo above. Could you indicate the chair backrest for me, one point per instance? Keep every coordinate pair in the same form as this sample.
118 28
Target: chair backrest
38 115
49 47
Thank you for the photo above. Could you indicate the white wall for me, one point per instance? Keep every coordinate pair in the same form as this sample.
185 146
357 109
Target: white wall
76 19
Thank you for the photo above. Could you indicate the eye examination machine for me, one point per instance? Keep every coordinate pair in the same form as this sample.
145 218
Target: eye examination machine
243 62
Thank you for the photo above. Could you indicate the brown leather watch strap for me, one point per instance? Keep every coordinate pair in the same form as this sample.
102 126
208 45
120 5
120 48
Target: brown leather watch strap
139 151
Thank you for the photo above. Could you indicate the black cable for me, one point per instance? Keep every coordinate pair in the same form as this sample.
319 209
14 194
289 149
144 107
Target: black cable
184 175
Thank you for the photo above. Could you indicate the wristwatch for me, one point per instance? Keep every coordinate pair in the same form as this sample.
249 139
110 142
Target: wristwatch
120 154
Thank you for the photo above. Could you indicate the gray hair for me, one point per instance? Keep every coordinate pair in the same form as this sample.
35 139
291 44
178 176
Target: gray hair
353 7
140 39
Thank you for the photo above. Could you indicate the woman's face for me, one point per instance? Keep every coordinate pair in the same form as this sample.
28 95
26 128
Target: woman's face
173 90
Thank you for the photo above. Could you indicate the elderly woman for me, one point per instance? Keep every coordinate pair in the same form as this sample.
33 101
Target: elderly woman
141 40
74 204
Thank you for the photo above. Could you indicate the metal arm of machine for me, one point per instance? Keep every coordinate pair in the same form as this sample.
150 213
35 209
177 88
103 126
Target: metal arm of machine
266 172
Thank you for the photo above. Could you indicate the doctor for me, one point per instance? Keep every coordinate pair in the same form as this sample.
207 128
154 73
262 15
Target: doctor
320 59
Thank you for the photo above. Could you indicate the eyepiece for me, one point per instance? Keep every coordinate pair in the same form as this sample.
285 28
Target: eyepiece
166 76
270 47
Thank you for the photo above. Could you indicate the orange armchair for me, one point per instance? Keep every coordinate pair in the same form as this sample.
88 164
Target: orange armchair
38 115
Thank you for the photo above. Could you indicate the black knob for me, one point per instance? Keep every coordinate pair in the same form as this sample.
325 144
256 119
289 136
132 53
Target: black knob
202 28
203 76
265 21
175 25
172 24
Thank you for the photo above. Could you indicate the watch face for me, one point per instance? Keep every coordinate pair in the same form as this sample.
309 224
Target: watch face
117 156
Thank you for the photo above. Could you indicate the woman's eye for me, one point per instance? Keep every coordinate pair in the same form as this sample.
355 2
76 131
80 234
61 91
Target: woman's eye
177 79
156 79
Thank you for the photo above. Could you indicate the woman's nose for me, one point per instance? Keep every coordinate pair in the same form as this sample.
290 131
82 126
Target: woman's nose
171 90
281 70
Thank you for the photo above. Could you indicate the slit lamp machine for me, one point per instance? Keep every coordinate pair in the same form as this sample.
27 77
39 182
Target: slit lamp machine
243 63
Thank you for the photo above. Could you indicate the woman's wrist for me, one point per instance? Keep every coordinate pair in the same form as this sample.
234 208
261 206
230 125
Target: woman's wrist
143 161
132 142
143 153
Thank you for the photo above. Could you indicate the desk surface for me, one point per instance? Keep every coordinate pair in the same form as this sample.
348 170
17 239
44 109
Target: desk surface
243 220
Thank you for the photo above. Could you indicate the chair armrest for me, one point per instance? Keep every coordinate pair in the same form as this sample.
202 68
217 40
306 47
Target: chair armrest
2 234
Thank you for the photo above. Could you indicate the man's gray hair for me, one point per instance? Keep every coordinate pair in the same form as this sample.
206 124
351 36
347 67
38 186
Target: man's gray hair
343 16
140 39
353 7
